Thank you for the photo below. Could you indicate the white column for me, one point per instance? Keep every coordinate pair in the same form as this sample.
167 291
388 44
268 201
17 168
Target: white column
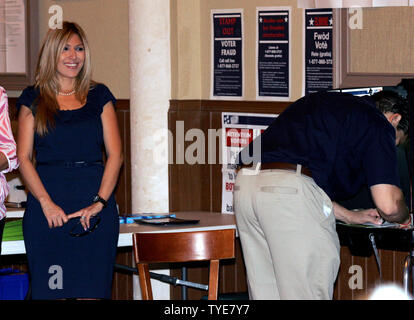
150 85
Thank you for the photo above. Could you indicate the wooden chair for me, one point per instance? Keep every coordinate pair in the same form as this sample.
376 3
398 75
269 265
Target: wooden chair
211 245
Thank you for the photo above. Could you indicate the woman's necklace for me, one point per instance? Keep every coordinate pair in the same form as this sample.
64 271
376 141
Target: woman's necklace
66 93
65 107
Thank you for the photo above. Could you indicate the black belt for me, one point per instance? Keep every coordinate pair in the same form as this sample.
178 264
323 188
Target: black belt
283 166
70 164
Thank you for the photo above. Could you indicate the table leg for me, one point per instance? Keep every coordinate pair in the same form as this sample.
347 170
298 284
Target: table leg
407 272
184 288
412 273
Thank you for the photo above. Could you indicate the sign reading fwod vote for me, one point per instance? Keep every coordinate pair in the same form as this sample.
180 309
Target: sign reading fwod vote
227 53
318 50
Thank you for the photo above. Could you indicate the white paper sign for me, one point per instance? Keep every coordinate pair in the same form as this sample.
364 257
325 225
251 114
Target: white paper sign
12 36
238 130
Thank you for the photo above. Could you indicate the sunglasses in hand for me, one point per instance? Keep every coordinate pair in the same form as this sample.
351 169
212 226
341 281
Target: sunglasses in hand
78 229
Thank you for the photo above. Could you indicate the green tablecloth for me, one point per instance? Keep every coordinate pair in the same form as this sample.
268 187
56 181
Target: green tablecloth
13 230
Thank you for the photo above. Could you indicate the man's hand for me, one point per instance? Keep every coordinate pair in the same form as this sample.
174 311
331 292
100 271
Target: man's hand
364 216
356 216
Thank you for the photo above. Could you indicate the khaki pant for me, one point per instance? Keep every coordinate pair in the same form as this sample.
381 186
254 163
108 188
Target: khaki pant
287 231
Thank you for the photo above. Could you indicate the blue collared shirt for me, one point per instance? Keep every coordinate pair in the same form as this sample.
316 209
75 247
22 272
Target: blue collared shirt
344 140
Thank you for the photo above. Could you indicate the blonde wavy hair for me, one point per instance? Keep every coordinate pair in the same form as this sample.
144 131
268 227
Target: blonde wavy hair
46 76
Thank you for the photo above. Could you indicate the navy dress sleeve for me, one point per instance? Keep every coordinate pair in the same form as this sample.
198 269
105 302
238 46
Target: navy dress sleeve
103 96
27 98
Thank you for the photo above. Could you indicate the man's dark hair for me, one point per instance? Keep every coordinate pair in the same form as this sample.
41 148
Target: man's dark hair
403 125
391 101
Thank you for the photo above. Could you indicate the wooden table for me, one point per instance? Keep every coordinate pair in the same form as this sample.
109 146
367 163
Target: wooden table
208 221
363 241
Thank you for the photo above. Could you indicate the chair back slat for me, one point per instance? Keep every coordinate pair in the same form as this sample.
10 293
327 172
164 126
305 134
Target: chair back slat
210 245
184 246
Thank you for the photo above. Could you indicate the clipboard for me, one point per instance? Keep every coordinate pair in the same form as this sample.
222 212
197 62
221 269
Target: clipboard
166 221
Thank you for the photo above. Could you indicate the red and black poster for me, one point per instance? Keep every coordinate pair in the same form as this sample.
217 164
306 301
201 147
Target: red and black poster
227 53
273 53
318 74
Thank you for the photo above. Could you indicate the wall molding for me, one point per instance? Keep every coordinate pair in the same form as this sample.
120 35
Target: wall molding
228 106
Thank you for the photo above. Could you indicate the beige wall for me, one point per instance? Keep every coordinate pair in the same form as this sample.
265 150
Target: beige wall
384 46
185 49
193 51
106 25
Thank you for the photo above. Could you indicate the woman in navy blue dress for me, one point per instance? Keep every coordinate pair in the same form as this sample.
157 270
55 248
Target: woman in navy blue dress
66 122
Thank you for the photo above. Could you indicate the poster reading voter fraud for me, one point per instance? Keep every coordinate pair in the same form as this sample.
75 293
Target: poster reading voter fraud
227 54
